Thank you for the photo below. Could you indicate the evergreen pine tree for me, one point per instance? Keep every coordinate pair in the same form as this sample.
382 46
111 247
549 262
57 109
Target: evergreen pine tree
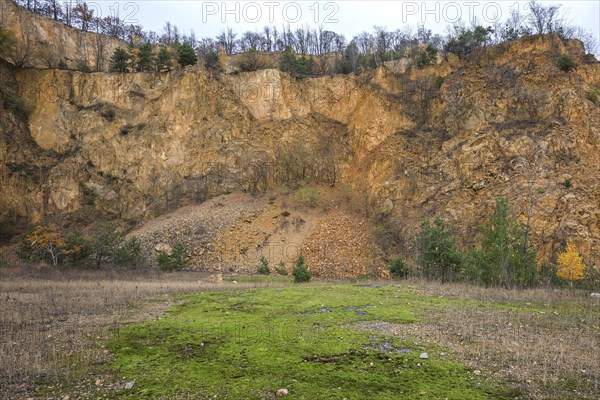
119 61
186 55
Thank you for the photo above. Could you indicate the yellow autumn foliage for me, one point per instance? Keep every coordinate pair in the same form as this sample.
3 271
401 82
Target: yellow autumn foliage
570 264
47 240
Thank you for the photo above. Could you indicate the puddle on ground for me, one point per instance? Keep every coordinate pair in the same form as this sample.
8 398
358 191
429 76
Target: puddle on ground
387 348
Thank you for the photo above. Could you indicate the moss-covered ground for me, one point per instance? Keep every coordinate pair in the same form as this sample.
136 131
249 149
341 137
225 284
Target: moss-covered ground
248 344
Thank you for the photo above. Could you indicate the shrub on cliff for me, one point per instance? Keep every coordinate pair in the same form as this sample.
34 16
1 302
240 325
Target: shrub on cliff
119 61
186 55
565 63
252 61
426 56
294 65
469 41
164 61
8 41
211 61
144 57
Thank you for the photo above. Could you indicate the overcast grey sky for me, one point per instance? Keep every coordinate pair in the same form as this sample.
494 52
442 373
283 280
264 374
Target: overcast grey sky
348 17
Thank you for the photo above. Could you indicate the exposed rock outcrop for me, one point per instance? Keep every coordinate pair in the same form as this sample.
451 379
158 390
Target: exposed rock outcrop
45 43
447 139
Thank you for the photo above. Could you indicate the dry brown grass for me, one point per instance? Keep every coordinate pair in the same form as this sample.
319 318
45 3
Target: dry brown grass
53 323
545 347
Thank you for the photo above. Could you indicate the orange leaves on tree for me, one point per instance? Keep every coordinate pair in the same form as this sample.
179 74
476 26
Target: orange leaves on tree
570 264
47 240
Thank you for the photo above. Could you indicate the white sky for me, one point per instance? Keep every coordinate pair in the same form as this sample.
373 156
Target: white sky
348 17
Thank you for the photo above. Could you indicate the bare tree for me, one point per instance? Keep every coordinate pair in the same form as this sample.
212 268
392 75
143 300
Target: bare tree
83 15
588 39
268 39
99 52
53 8
544 19
383 40
226 39
532 170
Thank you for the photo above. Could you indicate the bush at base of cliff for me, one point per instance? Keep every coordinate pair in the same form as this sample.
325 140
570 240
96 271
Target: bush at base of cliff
308 196
263 268
438 256
502 260
129 254
281 270
399 269
300 272
164 262
174 262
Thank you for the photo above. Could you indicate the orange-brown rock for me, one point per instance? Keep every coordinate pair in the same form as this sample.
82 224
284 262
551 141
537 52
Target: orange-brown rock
447 139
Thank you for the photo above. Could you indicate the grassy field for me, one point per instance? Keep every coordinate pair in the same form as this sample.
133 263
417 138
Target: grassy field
94 335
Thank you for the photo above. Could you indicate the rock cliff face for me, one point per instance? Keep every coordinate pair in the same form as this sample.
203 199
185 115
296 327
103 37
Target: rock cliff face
447 139
44 43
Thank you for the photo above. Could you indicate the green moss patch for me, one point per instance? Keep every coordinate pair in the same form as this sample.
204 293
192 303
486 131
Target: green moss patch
248 344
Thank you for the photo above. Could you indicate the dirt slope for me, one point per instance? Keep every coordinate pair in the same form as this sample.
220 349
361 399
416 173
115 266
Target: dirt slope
231 232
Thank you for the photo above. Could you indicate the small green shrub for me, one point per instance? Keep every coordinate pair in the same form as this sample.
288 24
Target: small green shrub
108 114
186 55
83 67
105 242
120 60
179 257
398 268
439 82
548 276
281 270
164 262
263 268
592 95
567 183
591 279
383 237
438 256
300 272
13 102
565 63
426 56
502 259
79 250
308 196
129 254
